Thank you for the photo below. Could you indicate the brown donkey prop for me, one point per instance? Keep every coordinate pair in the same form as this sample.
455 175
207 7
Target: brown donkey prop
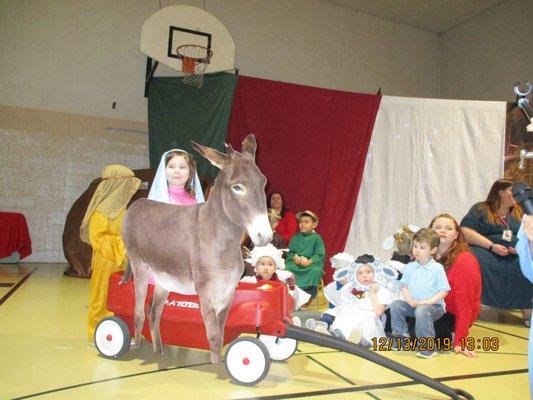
197 248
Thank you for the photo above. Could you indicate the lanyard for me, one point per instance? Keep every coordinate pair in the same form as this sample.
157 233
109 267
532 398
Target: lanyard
505 221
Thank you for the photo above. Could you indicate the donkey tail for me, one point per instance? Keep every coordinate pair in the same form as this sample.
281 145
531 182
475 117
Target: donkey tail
127 274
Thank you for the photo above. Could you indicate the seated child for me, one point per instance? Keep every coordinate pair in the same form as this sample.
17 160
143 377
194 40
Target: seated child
305 258
402 243
269 266
360 316
424 286
341 263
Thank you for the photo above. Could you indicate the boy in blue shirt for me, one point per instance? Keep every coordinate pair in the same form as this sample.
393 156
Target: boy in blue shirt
424 287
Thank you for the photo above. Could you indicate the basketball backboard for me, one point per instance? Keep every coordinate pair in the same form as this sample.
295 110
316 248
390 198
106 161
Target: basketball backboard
170 27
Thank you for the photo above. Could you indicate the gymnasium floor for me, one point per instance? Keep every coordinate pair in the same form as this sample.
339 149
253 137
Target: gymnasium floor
44 355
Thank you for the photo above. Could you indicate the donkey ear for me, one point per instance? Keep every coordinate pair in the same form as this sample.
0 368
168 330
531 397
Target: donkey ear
215 157
249 145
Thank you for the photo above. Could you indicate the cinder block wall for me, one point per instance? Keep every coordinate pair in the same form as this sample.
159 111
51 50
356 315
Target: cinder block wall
49 158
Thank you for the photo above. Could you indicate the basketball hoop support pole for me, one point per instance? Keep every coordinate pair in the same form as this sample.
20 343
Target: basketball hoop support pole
150 70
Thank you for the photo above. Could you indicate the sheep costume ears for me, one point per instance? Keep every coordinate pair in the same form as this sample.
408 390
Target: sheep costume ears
383 273
390 242
159 188
264 251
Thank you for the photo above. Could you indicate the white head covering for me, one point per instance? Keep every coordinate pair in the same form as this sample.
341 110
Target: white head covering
341 260
383 273
159 189
268 250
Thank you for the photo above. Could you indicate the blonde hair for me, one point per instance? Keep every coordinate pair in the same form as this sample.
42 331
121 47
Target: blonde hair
404 240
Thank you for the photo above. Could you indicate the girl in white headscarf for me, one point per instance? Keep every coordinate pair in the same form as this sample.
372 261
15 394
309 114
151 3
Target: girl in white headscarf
176 180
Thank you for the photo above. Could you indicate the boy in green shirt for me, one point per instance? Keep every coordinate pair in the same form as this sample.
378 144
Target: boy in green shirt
305 258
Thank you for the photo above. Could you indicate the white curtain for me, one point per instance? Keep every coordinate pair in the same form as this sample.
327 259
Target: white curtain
426 156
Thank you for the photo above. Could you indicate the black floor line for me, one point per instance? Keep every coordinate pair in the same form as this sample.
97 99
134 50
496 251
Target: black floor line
288 395
369 388
6 284
332 371
16 286
107 380
482 375
372 395
507 333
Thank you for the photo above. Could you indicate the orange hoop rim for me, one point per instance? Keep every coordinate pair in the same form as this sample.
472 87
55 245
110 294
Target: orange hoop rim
204 60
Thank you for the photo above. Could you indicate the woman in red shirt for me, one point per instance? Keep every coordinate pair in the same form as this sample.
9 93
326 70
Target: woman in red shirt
287 225
462 270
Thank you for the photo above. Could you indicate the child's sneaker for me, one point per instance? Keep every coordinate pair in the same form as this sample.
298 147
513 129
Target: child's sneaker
312 324
306 305
339 334
356 336
426 354
321 329
296 321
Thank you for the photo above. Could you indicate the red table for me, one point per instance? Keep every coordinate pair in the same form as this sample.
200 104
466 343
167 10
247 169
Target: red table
14 235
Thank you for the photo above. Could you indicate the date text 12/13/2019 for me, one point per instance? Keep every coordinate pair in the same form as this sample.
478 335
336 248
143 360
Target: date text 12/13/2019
434 344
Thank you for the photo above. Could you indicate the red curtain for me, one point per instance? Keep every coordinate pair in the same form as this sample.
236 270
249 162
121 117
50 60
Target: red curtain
312 145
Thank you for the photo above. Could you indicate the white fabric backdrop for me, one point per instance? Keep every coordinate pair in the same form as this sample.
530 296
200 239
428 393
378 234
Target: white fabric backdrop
426 156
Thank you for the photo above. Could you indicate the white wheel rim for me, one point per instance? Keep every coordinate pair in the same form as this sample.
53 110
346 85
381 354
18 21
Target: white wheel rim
109 338
246 361
279 348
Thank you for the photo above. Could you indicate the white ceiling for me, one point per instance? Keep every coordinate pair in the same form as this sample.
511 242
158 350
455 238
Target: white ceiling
436 16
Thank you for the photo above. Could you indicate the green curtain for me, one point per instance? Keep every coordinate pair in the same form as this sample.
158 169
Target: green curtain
178 113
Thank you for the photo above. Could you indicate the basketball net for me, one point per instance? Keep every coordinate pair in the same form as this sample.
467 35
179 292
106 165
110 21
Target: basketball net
194 60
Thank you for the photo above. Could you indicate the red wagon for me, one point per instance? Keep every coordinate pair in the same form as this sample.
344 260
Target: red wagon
262 309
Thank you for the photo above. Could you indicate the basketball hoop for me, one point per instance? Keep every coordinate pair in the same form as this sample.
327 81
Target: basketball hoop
194 60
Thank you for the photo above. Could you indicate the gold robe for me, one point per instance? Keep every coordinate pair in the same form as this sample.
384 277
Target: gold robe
109 256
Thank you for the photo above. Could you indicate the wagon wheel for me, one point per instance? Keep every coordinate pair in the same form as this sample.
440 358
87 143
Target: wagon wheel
112 337
247 361
279 349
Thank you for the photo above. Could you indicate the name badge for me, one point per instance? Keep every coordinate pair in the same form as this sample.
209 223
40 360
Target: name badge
507 235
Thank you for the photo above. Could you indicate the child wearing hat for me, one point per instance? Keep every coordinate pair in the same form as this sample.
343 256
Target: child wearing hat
305 258
269 266
371 289
359 317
